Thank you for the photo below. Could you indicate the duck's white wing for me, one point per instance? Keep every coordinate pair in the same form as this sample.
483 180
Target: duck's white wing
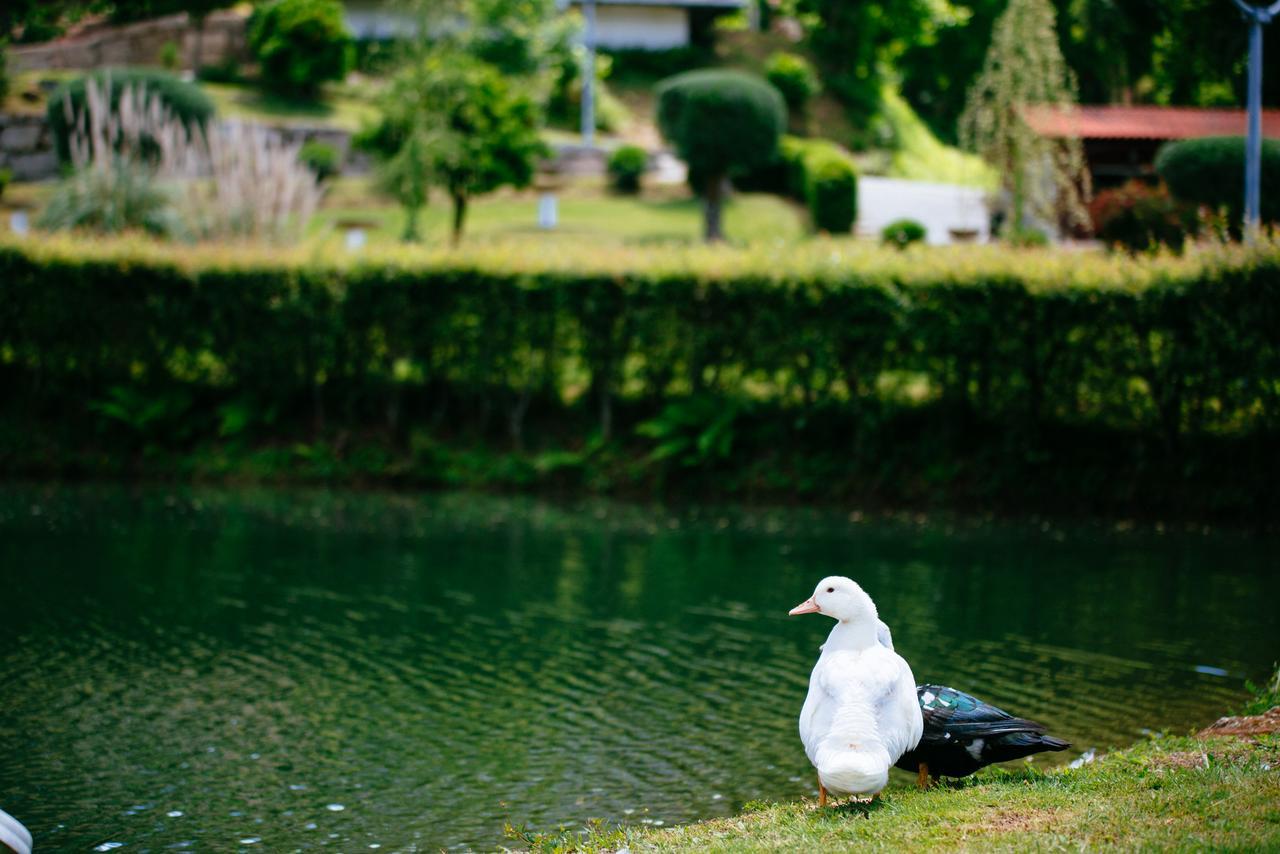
13 834
883 636
898 716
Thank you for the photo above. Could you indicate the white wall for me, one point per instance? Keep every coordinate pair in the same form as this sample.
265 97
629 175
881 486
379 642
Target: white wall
938 207
651 27
373 19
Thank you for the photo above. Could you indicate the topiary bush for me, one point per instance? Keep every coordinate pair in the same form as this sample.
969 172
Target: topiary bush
321 158
721 123
794 78
1210 172
186 101
300 44
626 167
902 233
1138 217
815 172
831 191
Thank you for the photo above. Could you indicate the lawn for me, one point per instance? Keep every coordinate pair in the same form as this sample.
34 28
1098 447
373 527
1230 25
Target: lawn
342 107
1170 793
586 213
1167 793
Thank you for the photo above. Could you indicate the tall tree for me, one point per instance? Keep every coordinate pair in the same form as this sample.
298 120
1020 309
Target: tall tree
1024 68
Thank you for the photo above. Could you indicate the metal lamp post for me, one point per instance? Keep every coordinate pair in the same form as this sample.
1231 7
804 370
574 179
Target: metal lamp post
1258 16
589 74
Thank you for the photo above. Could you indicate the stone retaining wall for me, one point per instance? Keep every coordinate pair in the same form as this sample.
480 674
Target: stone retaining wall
26 147
102 45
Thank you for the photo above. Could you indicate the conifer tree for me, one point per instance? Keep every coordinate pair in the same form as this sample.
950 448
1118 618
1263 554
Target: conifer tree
1024 69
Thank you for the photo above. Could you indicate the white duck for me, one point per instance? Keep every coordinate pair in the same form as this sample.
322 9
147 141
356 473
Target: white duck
861 713
13 836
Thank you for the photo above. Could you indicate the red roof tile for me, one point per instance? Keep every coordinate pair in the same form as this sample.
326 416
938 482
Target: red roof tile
1117 122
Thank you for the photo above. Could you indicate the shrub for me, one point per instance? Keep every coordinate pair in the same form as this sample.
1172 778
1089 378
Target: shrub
6 175
321 158
123 197
1210 172
721 123
831 191
794 78
627 166
300 44
227 71
185 101
1025 237
902 233
815 172
1138 216
169 59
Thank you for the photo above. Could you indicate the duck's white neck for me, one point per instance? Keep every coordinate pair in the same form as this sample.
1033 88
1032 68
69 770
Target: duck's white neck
851 635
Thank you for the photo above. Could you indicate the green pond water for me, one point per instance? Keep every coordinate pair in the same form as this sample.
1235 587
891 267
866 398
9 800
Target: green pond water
262 670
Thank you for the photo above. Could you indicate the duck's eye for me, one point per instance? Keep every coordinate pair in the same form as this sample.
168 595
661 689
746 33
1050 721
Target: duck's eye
831 590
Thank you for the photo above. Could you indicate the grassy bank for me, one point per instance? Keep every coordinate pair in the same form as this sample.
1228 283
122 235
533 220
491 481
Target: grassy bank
1181 793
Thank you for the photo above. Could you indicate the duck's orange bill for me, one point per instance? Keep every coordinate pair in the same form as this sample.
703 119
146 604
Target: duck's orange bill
808 606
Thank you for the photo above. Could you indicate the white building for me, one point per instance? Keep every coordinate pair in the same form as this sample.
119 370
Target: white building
651 24
644 24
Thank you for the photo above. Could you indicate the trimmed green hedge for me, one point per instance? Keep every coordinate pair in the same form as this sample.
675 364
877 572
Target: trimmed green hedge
1167 353
817 173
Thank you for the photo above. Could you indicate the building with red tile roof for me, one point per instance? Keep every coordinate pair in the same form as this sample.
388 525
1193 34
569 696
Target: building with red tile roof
1120 142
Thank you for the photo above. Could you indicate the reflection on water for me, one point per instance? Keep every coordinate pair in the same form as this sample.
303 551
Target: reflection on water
280 670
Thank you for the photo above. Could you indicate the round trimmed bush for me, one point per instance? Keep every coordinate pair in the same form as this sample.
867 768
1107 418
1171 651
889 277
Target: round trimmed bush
721 122
794 78
186 101
1210 171
321 158
831 191
627 166
902 233
300 44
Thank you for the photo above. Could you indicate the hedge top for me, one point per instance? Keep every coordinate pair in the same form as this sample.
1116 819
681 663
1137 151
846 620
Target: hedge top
721 121
822 264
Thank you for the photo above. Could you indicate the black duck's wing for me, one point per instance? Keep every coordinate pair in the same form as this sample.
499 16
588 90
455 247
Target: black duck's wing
964 716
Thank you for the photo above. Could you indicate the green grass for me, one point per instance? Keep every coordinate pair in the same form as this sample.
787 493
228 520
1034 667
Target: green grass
586 216
920 156
1170 793
338 108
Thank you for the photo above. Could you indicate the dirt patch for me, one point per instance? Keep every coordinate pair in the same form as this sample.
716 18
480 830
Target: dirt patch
1016 821
1267 722
1185 759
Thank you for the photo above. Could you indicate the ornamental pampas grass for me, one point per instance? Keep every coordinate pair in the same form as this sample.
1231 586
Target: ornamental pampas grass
229 180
